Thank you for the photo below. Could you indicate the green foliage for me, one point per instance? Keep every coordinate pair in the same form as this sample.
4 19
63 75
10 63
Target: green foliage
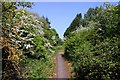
74 25
39 48
94 49
37 69
9 38
52 36
25 46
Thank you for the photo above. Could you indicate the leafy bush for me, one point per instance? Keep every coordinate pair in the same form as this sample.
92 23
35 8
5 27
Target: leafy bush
94 50
23 39
36 69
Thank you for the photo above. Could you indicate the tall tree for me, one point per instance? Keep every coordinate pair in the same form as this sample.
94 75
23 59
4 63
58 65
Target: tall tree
74 25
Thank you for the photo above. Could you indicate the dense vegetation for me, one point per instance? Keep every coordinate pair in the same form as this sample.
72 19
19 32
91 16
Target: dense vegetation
28 42
74 25
93 47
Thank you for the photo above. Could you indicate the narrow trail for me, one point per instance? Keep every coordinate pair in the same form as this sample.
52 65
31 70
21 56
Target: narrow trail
61 68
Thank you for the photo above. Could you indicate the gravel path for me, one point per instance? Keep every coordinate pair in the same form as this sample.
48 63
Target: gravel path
61 70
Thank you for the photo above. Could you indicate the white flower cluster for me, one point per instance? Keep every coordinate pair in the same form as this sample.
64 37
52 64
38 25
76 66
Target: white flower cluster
53 38
48 45
23 23
28 46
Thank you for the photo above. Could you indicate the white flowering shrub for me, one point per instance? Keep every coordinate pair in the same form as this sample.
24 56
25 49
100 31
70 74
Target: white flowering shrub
24 43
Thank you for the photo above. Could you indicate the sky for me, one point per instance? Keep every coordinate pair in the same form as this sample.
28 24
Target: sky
70 0
61 14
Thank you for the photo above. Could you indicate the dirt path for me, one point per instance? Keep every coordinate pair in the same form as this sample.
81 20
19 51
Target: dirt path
61 68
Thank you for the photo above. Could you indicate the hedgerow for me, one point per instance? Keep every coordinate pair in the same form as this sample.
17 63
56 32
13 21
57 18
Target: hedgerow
26 52
94 49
